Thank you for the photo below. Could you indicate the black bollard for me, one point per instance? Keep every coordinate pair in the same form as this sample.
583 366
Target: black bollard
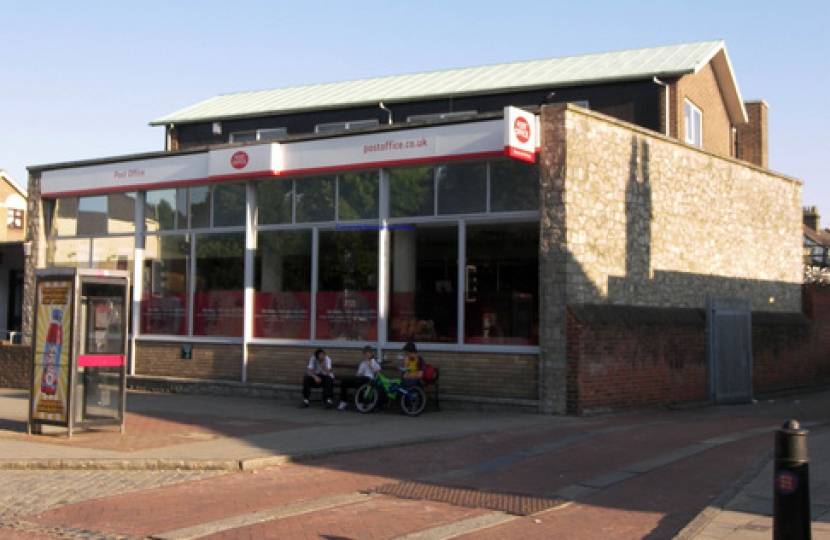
791 501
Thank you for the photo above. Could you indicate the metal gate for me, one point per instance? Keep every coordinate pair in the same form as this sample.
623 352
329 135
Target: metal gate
729 322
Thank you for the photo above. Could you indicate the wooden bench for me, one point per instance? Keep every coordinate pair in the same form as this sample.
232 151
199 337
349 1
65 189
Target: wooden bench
431 387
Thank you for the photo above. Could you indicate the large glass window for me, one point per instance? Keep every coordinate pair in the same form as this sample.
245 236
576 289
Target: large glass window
423 302
200 203
71 252
315 199
160 210
218 299
347 285
502 289
514 186
121 212
229 205
113 252
282 301
358 196
462 189
61 216
274 201
166 277
92 215
412 192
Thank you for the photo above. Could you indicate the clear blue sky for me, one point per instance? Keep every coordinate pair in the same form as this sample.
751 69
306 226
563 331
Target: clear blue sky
82 79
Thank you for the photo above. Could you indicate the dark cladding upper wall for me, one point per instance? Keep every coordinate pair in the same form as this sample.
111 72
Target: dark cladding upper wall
635 102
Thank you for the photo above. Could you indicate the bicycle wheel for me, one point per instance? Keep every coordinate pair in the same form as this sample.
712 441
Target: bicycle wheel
366 398
413 401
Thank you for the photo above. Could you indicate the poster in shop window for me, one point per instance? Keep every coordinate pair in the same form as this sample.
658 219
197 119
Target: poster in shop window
50 384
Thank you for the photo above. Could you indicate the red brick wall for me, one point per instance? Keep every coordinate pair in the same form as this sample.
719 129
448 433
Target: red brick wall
795 355
615 366
752 136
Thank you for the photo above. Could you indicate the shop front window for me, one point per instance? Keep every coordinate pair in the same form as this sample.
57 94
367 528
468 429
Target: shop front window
347 303
514 186
113 253
160 210
423 302
282 301
229 205
502 289
92 215
164 299
199 198
462 189
72 252
315 199
120 213
358 196
412 192
218 298
274 201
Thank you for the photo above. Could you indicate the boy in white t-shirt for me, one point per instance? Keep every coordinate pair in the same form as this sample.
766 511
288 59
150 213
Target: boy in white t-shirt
318 374
365 372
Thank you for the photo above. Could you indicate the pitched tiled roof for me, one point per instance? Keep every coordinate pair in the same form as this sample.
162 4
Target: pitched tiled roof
668 61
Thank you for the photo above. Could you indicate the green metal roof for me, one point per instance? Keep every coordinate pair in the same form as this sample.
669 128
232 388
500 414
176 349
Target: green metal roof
668 61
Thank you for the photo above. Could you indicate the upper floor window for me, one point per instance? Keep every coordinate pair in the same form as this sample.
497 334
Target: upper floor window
694 124
258 135
14 219
440 116
340 126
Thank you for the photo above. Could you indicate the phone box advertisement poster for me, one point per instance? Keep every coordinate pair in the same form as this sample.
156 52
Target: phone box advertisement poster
50 387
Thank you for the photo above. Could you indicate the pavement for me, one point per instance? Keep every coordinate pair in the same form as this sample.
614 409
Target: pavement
609 458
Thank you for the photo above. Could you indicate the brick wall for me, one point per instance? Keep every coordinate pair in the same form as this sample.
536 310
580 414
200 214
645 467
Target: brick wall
509 376
616 361
209 361
794 355
752 136
622 357
15 366
702 90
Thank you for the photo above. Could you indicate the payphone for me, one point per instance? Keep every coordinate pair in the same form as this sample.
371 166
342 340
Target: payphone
80 348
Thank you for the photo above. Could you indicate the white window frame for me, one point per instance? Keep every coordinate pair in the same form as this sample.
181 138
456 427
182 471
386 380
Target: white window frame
341 126
694 124
440 116
267 134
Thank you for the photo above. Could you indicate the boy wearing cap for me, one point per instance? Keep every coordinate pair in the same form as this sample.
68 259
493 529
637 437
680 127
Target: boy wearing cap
365 373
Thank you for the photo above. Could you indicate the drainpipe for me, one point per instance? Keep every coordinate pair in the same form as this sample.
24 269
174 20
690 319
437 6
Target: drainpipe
382 106
666 105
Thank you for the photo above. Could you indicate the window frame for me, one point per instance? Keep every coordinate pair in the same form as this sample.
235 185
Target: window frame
693 119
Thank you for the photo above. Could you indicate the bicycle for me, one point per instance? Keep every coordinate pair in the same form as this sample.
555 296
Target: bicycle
413 400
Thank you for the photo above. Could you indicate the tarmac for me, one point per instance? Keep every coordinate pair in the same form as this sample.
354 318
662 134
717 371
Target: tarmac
205 432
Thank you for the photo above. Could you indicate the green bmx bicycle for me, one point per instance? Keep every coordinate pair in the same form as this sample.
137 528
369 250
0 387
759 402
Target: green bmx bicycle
412 400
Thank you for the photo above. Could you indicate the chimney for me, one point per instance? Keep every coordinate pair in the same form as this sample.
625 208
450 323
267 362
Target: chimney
811 217
752 136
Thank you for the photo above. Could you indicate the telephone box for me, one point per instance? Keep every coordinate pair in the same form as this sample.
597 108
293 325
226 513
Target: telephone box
80 348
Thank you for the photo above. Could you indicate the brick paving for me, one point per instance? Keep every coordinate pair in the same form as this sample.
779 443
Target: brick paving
628 476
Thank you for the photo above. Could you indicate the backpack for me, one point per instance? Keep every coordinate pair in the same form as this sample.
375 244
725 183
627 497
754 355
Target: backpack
429 372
